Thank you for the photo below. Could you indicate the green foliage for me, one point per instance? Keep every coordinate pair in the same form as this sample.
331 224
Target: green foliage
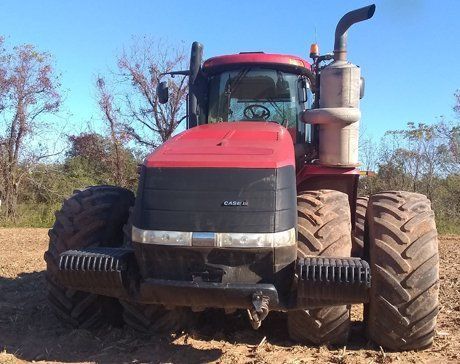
47 185
33 215
425 159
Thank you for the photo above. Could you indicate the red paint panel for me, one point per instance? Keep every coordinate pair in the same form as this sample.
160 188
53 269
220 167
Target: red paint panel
256 58
311 170
227 145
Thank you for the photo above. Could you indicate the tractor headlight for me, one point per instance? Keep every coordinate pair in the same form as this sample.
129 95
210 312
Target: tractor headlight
209 239
254 240
161 237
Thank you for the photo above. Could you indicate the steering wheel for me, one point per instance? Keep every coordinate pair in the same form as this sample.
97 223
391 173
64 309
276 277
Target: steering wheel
256 112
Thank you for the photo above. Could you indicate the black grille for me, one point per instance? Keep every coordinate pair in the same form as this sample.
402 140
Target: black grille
192 199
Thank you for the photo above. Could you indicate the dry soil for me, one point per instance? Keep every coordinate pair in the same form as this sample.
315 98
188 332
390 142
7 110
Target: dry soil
29 332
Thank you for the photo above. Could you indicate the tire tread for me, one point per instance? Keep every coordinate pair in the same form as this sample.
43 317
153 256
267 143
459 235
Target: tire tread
405 267
324 228
90 217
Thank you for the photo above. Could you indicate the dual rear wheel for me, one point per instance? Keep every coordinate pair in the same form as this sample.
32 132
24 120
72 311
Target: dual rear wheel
396 232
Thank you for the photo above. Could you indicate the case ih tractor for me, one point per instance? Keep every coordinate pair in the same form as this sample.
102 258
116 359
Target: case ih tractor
254 207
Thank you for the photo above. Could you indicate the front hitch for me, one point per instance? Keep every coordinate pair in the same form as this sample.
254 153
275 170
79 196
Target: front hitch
260 309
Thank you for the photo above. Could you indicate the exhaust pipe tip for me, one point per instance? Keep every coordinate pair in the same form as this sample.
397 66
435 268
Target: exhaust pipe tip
350 18
371 11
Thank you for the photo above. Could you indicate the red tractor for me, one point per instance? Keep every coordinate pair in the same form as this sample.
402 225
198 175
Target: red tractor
254 207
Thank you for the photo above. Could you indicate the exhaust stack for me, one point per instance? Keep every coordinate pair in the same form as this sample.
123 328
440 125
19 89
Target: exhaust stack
338 114
350 18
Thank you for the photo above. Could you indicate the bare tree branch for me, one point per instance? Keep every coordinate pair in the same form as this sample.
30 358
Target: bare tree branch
141 116
28 90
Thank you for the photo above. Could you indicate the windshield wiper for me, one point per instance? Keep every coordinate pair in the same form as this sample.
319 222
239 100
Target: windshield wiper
273 103
236 80
233 85
278 109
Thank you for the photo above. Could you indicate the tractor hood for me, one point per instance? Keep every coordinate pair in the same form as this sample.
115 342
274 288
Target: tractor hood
227 145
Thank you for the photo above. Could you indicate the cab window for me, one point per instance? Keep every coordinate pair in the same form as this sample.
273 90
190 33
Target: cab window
255 94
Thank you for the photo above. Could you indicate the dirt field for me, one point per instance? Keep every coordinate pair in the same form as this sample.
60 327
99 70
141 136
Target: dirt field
29 332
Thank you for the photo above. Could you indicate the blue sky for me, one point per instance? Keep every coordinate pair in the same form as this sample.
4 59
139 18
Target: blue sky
408 52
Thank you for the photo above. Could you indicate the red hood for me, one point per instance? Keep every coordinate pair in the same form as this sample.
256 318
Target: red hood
227 145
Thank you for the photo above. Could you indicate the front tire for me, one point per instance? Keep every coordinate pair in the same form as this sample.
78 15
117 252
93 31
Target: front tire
324 229
151 319
89 218
404 261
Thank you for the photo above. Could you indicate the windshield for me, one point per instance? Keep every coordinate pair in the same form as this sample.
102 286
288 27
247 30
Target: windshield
255 94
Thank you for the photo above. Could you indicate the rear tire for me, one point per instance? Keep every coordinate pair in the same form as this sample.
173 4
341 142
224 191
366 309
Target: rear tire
359 238
89 218
324 229
404 261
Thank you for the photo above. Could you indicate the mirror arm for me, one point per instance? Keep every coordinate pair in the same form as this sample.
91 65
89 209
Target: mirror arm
174 73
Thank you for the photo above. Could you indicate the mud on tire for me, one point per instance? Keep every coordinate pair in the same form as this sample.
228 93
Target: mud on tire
324 228
404 260
89 218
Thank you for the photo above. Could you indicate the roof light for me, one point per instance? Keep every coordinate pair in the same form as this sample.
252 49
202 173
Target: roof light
314 50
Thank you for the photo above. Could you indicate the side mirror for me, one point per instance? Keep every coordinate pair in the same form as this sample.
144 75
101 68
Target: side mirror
163 92
303 96
362 86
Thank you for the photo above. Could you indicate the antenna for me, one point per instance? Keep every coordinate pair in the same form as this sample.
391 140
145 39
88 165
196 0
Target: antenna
314 49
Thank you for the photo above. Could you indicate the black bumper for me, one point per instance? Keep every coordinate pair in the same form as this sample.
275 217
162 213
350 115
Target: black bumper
205 294
317 282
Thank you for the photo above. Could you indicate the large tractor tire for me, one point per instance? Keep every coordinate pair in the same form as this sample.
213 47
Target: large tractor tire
89 218
404 260
357 249
151 319
324 229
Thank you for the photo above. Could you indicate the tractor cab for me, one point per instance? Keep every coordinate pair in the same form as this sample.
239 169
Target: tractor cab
249 87
258 87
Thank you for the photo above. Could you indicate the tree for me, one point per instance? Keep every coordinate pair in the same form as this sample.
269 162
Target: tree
91 158
29 92
133 97
117 136
422 158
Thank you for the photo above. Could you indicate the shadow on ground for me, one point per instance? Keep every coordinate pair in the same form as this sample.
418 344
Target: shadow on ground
30 331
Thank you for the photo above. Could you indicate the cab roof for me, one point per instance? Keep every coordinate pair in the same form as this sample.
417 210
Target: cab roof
279 61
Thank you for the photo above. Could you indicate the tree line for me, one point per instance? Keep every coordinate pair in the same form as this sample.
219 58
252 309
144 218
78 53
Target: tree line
34 178
423 158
